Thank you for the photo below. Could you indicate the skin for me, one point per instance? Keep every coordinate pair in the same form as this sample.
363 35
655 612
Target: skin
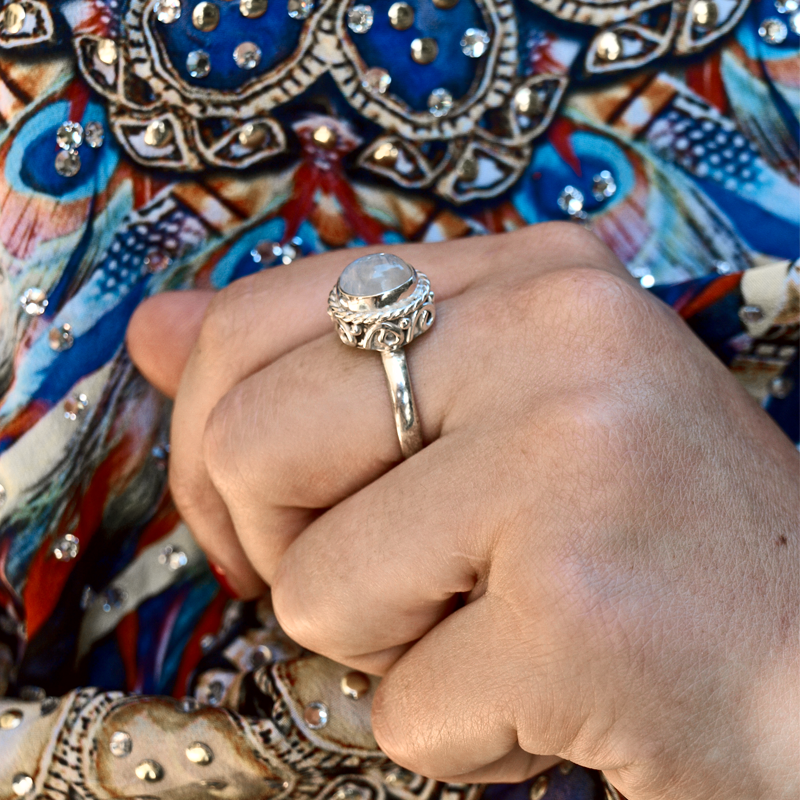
594 557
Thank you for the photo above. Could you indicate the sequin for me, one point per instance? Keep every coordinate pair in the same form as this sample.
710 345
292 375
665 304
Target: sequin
69 135
571 201
107 51
66 547
252 9
539 788
247 55
198 63
22 784
360 18
316 715
355 685
300 9
120 744
205 17
474 42
603 185
440 101
68 163
10 719
168 11
376 80
34 301
424 50
401 16
773 31
609 46
199 753
149 770
13 18
157 133
94 135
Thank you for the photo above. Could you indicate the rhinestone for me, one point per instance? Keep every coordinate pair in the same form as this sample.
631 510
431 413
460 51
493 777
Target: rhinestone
198 63
74 406
156 261
376 80
252 8
424 50
527 102
609 46
68 163
34 301
259 656
263 252
10 719
188 705
468 169
205 17
70 135
705 13
113 598
120 744
571 201
199 753
149 770
13 17
387 153
445 4
107 51
300 9
474 42
32 694
773 30
360 18
247 55
355 685
539 788
647 281
216 691
168 11
440 101
48 705
787 6
324 137
751 314
723 267
603 185
160 454
66 547
780 388
157 133
287 253
252 135
565 767
316 715
206 642
401 16
22 784
794 23
172 558
94 135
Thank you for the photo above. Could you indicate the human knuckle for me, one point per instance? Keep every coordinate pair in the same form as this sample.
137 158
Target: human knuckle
224 323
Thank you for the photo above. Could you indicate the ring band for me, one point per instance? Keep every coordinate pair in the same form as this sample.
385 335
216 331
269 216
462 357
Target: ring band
382 303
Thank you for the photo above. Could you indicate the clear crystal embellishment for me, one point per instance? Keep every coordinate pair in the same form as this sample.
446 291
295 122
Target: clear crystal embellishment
69 135
603 185
376 80
571 201
773 30
66 547
34 301
787 6
360 18
22 784
300 9
168 11
475 42
75 406
247 55
68 163
440 101
94 135
120 744
198 63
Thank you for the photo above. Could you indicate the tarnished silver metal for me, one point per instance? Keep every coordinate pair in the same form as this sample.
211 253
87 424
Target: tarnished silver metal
382 303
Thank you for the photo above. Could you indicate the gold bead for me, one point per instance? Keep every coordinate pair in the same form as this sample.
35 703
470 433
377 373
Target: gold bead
205 16
445 4
107 51
468 169
527 103
149 770
401 16
253 135
252 8
355 685
424 50
539 788
157 133
199 753
705 13
609 46
324 137
10 719
14 18
387 154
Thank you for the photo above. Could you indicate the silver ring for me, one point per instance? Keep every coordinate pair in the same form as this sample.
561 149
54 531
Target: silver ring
382 303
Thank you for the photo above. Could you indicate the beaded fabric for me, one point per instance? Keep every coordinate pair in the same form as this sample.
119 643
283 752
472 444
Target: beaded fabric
152 145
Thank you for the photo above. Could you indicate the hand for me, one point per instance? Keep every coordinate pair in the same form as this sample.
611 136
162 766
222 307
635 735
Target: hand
594 557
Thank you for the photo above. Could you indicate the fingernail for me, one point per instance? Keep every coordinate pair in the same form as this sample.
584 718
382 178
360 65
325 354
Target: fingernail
222 579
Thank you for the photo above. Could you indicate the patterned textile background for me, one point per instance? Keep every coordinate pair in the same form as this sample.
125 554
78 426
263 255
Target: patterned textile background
148 145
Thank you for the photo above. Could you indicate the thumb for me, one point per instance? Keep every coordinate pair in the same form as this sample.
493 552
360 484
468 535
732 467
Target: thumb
162 334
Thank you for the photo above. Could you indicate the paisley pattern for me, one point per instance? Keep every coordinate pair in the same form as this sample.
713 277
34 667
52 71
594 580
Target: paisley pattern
686 168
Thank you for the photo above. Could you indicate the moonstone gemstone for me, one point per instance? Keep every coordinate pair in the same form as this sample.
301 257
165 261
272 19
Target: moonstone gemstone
374 275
